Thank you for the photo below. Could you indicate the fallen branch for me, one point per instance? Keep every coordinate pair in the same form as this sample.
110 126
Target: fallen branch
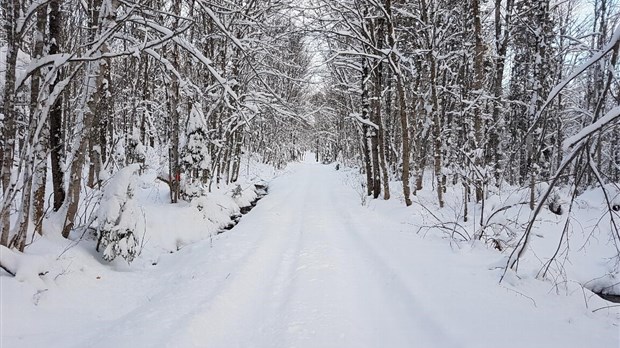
606 307
7 270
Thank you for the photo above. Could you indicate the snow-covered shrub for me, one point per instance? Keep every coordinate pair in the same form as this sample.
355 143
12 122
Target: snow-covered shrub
195 151
217 208
119 217
191 190
358 184
244 196
237 191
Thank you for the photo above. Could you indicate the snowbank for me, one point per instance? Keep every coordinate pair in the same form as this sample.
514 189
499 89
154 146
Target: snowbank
134 219
566 249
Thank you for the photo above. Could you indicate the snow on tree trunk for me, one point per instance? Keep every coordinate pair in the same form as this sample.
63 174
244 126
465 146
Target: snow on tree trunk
9 118
41 145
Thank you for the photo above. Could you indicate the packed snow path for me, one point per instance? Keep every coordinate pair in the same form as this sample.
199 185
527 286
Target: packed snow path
311 267
310 279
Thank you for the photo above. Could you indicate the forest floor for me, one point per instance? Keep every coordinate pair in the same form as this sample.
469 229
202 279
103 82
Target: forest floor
309 267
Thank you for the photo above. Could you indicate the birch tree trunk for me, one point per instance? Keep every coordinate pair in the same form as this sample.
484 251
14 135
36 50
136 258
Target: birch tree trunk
477 86
8 125
42 142
379 119
366 129
34 148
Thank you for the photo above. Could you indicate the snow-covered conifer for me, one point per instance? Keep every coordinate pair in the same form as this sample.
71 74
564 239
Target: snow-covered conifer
119 217
195 153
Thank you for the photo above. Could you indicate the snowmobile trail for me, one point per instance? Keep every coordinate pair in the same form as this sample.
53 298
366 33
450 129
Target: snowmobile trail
311 267
293 273
309 282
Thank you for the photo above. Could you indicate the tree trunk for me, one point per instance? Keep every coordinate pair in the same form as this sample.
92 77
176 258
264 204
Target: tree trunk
404 124
75 179
23 220
400 86
477 87
42 143
35 149
437 143
494 152
374 150
174 99
10 114
55 116
174 166
378 117
366 129
375 118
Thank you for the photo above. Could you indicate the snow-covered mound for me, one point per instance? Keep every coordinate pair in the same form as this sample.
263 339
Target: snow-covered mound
133 219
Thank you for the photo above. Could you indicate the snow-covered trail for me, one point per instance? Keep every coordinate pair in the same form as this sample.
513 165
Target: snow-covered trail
294 273
311 267
311 281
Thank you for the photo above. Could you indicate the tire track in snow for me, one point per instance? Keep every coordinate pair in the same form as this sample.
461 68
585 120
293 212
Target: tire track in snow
403 299
346 295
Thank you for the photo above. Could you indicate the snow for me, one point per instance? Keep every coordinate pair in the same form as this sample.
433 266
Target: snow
25 268
364 121
308 267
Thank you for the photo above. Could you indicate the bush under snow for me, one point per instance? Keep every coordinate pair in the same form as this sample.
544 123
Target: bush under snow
119 217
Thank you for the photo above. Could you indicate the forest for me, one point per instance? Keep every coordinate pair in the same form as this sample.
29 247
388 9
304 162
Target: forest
461 110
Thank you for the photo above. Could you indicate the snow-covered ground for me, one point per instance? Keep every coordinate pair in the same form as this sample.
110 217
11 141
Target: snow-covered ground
308 267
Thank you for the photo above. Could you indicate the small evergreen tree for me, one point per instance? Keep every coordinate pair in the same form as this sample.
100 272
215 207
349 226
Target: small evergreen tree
195 157
119 217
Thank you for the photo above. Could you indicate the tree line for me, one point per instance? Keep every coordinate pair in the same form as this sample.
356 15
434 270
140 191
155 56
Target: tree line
479 95
482 95
90 87
466 88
